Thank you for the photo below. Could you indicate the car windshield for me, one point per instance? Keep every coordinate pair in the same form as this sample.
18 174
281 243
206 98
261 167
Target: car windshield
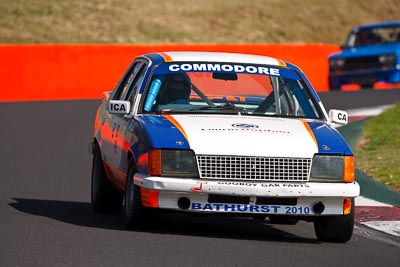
373 36
229 89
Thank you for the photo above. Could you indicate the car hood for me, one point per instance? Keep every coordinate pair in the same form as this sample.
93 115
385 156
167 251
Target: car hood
371 50
244 135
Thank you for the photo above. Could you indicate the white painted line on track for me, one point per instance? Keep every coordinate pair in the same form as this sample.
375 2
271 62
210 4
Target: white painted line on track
376 235
363 201
390 227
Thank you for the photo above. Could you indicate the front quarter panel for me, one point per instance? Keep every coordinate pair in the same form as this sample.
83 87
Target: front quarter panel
329 140
155 132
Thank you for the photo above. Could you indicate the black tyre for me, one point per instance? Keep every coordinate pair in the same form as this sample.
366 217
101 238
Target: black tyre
338 229
104 196
135 215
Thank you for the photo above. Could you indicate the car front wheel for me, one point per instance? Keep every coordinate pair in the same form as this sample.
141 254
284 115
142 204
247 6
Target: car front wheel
135 214
337 229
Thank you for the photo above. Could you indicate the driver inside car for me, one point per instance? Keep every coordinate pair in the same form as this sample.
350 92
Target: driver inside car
175 89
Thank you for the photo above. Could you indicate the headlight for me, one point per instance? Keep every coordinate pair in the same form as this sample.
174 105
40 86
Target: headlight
173 163
327 168
387 60
337 63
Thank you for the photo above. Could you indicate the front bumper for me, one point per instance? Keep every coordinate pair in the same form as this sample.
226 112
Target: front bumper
285 198
364 76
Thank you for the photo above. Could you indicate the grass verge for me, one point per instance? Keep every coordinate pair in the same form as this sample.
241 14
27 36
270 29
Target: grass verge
187 21
378 151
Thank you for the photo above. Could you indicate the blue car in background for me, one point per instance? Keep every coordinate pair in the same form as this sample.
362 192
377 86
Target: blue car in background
371 54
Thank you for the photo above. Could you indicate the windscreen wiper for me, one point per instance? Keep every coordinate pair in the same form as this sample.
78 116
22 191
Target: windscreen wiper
230 107
226 107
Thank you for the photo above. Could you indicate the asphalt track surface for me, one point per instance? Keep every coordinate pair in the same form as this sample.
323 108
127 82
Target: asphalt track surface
46 218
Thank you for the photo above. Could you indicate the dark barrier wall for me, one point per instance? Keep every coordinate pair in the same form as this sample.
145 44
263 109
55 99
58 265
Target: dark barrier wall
63 72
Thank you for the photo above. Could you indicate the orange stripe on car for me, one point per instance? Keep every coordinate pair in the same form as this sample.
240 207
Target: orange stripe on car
281 63
166 57
177 125
310 131
105 96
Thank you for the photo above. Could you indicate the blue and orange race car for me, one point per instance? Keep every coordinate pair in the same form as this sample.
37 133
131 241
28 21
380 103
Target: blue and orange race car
222 133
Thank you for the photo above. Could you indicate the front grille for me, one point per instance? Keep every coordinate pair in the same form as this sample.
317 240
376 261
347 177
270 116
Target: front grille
362 63
253 168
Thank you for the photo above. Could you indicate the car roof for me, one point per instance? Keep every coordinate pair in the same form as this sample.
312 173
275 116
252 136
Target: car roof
222 57
375 25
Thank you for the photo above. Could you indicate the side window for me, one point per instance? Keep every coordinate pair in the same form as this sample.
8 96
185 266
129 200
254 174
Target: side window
135 84
126 85
127 80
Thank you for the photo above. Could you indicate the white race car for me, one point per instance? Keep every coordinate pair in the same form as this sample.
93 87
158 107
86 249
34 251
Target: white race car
233 134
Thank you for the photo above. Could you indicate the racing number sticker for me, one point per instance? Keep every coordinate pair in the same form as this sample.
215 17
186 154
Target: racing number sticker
297 210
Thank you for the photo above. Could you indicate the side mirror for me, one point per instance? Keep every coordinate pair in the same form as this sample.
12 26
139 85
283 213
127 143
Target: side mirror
121 107
105 96
338 116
